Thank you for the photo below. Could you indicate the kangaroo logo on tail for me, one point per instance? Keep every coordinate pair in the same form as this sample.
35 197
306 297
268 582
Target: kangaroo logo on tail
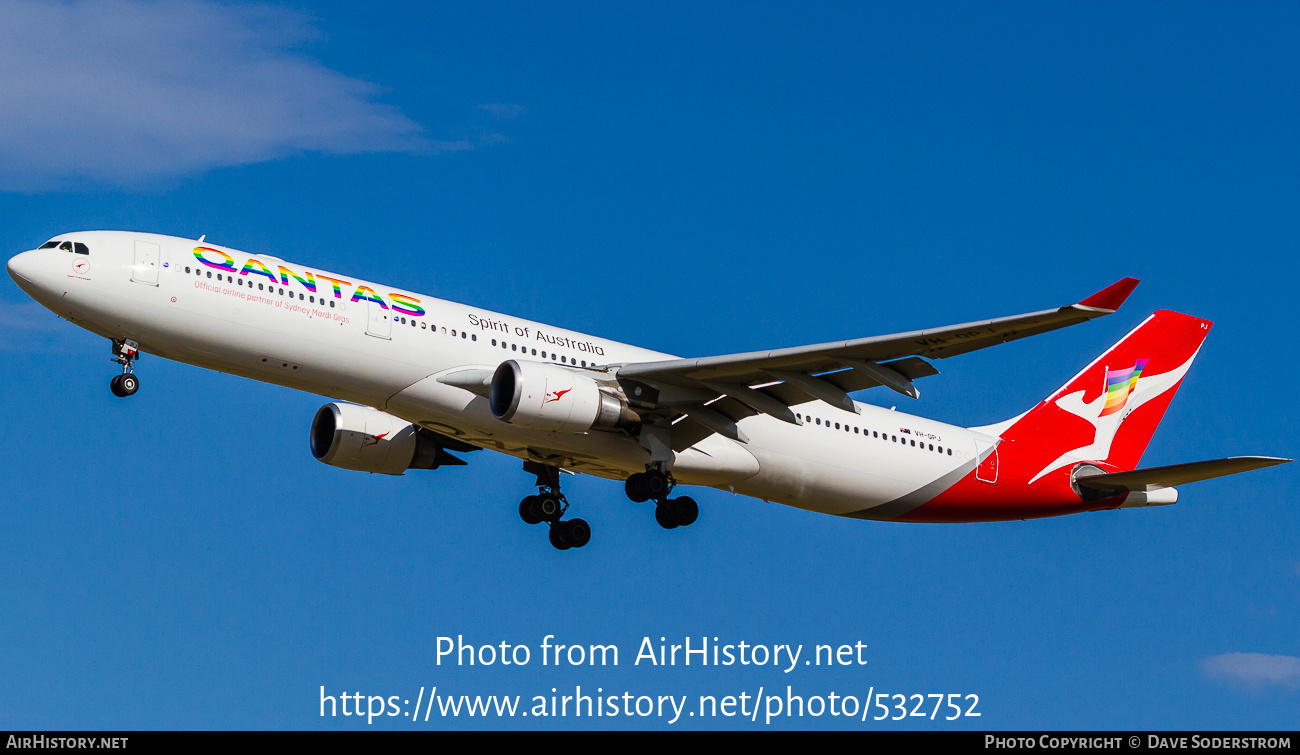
1126 390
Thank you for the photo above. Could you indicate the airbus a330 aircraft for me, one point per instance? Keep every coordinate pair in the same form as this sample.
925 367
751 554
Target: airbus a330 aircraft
417 378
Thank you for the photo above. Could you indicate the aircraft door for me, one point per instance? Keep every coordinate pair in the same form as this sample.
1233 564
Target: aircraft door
987 470
145 268
379 321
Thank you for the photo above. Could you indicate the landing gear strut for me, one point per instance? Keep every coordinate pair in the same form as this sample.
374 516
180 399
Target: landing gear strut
655 484
125 352
549 505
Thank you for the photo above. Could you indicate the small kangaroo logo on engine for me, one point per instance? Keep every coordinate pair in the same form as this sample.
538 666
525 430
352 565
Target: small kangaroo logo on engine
554 396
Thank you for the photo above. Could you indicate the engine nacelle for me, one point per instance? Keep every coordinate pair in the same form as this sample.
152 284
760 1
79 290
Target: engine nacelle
363 439
545 396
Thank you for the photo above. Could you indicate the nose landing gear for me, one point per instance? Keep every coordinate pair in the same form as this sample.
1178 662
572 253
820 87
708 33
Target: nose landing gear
125 352
549 505
655 484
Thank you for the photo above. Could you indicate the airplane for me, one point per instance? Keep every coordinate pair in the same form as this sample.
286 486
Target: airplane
415 379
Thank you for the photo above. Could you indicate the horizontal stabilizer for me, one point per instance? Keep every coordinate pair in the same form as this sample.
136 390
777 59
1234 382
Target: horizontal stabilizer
1155 478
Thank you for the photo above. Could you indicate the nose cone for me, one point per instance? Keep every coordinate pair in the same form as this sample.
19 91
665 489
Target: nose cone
29 271
22 268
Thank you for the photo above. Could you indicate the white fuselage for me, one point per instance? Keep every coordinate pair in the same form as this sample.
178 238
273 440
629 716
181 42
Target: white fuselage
279 322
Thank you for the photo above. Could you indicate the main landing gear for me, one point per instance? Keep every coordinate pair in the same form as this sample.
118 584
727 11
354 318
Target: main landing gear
549 505
654 485
125 352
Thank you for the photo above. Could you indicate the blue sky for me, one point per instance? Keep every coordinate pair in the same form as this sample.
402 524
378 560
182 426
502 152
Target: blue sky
694 179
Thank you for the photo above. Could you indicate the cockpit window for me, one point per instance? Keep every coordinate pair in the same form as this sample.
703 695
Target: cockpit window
67 246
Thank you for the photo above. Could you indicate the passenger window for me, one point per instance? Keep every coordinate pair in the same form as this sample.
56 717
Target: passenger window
81 248
187 270
931 446
584 363
494 343
331 303
564 359
463 334
514 347
534 352
818 420
209 273
950 452
423 325
453 332
259 286
474 337
543 355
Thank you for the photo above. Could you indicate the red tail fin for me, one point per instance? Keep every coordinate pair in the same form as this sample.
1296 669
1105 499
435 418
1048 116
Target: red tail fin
1108 412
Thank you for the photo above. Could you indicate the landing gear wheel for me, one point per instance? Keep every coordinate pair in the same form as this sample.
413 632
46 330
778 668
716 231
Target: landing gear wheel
557 538
549 507
115 385
656 485
128 384
684 510
577 532
528 510
664 516
635 488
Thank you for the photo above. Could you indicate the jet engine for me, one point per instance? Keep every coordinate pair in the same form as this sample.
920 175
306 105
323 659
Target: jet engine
363 439
545 396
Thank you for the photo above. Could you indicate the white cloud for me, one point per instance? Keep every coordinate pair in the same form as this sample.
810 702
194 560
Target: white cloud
124 92
1254 669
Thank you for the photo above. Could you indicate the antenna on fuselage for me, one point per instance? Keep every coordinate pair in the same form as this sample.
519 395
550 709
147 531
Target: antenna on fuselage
204 236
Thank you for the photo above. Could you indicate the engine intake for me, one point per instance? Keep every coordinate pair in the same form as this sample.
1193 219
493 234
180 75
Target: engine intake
545 396
363 439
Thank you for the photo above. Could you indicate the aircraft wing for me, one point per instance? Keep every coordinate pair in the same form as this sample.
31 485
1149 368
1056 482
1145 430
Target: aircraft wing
1155 478
830 371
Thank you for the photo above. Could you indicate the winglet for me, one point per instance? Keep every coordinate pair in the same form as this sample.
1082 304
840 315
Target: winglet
1112 296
